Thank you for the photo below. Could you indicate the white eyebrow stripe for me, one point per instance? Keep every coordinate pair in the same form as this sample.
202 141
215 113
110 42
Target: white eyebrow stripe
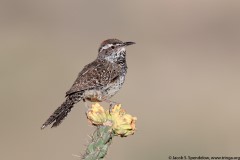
106 47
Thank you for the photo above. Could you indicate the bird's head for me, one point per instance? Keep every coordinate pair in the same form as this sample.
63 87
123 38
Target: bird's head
112 49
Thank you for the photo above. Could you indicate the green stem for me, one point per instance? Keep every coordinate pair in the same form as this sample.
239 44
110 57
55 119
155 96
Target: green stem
101 140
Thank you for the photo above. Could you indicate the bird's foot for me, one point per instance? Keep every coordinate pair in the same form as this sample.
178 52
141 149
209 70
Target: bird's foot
111 104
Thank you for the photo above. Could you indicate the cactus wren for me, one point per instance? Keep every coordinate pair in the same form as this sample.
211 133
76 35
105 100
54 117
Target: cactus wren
98 81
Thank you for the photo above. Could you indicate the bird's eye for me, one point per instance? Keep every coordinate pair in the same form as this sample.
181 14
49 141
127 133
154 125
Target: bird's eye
113 47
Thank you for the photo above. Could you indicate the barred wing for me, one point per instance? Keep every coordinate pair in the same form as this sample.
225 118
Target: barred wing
96 74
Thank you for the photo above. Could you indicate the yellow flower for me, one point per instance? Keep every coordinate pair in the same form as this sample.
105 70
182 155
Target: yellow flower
96 114
123 124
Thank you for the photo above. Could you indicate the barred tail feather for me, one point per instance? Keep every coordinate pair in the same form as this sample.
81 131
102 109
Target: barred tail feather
61 112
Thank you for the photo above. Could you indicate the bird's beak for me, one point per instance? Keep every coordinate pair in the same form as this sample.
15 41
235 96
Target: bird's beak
128 43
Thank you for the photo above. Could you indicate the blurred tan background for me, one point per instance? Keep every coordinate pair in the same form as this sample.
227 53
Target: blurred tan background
182 82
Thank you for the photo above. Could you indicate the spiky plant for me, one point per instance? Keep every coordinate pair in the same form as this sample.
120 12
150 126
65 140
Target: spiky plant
109 123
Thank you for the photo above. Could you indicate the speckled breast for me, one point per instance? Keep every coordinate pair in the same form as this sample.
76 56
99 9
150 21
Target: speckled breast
112 88
106 92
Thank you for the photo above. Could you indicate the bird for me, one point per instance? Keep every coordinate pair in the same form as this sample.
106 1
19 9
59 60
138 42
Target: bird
97 82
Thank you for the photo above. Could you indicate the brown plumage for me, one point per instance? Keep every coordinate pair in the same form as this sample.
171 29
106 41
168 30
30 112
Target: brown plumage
98 81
